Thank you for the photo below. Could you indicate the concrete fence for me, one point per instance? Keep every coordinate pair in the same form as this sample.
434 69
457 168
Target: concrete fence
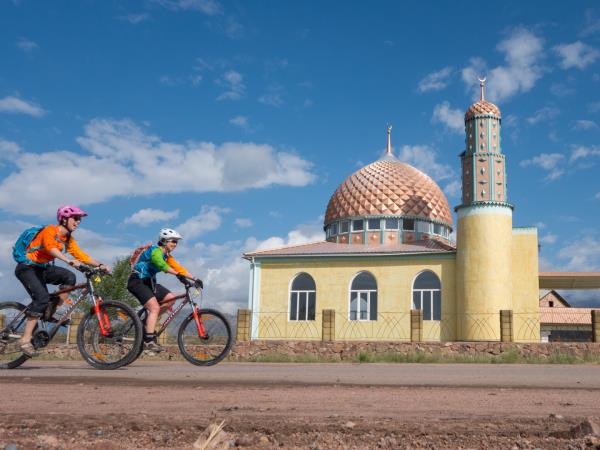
336 326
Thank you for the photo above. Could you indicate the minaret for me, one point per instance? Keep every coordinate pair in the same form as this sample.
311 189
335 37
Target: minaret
484 227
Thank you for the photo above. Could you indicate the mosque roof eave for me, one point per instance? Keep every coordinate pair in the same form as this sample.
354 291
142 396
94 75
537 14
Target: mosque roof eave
325 248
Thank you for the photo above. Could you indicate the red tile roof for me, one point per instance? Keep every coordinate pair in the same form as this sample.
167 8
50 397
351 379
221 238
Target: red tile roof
566 316
332 249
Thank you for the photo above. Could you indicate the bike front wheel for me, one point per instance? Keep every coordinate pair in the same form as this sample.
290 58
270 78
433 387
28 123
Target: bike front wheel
110 338
206 342
12 325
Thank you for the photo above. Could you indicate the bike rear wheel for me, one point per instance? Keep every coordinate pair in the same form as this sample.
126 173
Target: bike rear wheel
12 324
111 341
211 348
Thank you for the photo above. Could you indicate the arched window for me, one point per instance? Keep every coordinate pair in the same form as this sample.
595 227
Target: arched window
363 297
427 295
303 298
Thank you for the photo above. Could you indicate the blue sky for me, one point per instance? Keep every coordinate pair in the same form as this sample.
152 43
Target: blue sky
234 122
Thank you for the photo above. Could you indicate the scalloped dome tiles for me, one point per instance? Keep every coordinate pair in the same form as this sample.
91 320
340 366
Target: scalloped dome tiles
388 187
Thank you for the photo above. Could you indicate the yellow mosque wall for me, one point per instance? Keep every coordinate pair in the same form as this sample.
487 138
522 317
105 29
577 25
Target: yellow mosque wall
333 278
526 311
484 271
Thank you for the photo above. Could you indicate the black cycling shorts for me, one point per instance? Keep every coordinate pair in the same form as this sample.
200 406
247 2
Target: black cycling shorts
141 288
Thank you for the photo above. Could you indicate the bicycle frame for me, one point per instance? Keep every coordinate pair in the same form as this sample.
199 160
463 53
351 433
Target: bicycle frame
87 289
188 300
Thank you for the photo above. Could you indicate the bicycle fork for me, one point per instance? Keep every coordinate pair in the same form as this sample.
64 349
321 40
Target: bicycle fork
100 313
199 324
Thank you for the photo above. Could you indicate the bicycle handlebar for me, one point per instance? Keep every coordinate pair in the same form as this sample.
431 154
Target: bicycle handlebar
190 283
88 271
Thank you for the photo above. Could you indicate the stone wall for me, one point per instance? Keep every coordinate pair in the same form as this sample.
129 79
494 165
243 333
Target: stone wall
348 351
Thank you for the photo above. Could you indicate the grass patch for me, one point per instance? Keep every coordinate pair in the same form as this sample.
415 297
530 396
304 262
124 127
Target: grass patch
508 357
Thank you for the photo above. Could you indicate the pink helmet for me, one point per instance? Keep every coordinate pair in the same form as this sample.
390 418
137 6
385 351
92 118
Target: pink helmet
64 212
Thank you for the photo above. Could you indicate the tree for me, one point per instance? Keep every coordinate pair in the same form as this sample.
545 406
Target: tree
114 286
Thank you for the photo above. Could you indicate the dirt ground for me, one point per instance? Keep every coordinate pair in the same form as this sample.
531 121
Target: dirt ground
117 412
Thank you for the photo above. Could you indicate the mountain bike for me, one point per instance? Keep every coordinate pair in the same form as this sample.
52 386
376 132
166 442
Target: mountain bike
108 336
204 337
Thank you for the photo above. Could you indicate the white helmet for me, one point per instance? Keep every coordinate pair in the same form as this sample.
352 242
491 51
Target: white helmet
167 234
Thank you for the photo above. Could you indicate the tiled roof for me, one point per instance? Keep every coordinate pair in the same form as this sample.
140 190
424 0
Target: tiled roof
482 107
332 248
388 187
566 316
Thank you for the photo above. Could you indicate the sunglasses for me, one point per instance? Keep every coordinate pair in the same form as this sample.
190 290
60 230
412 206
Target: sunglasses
174 241
76 218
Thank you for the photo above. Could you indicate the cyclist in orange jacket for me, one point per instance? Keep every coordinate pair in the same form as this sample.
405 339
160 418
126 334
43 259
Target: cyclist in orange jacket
37 269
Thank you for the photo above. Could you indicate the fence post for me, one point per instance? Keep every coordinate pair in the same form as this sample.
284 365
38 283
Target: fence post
1 322
596 325
72 332
416 325
506 325
243 325
328 325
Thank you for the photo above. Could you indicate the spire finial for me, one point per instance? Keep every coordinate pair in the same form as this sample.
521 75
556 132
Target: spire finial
389 146
481 86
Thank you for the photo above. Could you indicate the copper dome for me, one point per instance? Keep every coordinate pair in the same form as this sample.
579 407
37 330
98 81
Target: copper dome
482 107
388 187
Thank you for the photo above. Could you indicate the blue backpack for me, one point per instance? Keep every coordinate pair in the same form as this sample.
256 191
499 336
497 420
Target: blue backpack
20 247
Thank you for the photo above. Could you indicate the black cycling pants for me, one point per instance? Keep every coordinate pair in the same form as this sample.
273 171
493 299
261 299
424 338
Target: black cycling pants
35 279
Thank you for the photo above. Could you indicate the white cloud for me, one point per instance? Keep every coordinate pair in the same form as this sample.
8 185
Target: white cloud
119 159
548 239
577 54
134 18
584 125
9 150
582 255
273 96
147 216
598 195
435 81
243 222
240 121
233 82
453 119
584 152
540 225
453 189
561 90
545 113
594 107
209 7
523 52
26 45
424 158
18 106
592 23
209 219
550 162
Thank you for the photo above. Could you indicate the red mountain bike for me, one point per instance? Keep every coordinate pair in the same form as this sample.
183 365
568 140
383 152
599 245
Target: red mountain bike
204 337
108 336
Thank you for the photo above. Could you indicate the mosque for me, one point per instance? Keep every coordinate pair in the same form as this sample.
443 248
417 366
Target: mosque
388 255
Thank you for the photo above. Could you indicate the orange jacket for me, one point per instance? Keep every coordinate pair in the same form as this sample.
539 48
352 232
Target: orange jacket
49 238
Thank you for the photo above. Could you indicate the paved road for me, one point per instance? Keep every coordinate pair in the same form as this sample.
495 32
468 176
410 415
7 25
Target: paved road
260 374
